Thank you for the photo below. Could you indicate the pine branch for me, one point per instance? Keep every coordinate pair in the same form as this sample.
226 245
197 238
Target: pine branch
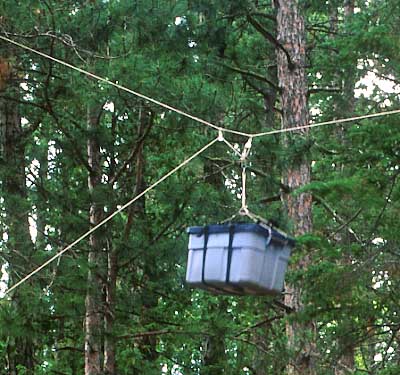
338 218
387 201
134 152
31 128
259 324
70 348
160 333
232 16
268 36
316 90
270 17
249 73
274 198
286 308
77 151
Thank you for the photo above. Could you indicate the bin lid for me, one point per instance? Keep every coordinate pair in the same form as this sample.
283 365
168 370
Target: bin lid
263 229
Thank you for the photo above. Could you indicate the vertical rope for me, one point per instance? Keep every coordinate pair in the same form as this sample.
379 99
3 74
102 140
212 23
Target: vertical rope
244 203
245 153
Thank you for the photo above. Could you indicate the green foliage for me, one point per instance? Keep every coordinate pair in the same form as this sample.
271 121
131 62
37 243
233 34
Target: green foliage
205 58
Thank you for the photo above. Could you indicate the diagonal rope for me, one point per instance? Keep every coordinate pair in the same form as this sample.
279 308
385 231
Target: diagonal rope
230 145
195 118
123 88
108 218
331 122
176 110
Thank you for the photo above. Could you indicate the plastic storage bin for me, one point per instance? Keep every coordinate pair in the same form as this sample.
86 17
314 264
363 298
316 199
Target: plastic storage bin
238 258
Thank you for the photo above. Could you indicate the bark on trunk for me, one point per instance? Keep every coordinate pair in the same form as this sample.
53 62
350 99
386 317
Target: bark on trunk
19 244
147 344
110 365
349 76
94 295
293 84
346 363
109 316
215 360
215 356
138 208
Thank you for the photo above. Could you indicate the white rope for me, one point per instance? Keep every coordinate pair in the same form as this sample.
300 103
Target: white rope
232 147
331 122
244 208
245 153
105 80
108 218
195 118
246 149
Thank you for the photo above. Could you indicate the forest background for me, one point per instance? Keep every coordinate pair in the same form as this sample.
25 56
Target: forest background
74 149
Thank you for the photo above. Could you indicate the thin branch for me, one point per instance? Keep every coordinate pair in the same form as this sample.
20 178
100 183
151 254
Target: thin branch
159 333
66 40
323 30
274 198
316 90
249 73
24 102
259 324
138 145
252 343
388 345
70 348
78 153
337 217
387 200
256 88
284 307
348 221
325 150
270 17
267 35
31 128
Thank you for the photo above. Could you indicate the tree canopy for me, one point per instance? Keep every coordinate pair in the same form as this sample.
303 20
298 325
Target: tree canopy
74 149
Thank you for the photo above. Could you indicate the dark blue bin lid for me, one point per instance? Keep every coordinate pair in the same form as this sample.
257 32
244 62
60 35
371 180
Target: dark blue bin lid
245 227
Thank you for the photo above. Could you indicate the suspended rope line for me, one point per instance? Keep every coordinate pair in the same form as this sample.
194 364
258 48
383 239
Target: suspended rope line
123 88
188 115
108 218
185 114
331 122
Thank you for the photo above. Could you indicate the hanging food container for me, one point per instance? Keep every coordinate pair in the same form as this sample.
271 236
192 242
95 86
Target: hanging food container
240 259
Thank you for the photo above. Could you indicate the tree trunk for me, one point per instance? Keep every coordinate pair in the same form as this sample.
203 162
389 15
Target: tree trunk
109 315
293 83
147 344
110 365
19 245
349 76
215 358
138 208
94 295
346 363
